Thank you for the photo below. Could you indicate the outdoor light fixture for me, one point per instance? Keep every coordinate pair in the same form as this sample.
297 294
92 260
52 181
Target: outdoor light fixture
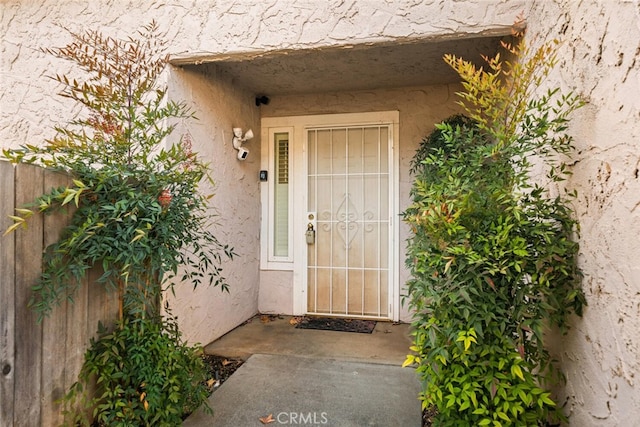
238 140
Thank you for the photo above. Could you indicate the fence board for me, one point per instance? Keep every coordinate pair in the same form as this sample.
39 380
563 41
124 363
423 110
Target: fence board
39 361
97 310
76 340
7 295
55 325
29 182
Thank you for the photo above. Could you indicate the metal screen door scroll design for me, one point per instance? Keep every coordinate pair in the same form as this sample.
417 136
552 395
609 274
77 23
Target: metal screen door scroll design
348 195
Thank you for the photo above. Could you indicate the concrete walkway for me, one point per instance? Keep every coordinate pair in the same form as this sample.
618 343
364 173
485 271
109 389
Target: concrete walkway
310 377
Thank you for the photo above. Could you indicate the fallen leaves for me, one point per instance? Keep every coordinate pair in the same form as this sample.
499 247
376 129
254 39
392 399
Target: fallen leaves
219 369
295 320
266 318
267 419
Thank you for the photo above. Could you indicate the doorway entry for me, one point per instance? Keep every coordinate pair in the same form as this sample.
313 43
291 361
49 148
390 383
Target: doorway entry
343 212
348 208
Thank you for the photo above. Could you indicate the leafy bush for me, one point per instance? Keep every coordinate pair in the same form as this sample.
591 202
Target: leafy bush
139 213
144 375
492 256
140 217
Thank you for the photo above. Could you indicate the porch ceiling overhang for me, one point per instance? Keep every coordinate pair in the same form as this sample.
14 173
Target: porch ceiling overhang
350 67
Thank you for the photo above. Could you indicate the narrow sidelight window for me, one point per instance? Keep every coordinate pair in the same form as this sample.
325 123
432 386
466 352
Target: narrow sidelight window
281 195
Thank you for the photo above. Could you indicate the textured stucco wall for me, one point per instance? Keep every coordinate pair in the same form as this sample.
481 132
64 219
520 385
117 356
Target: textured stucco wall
419 107
219 105
600 59
276 292
197 30
200 29
29 108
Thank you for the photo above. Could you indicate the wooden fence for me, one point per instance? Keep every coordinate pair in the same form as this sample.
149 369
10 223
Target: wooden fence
39 361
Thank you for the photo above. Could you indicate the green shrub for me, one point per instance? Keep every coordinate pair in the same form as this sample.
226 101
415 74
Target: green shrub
492 256
140 217
144 375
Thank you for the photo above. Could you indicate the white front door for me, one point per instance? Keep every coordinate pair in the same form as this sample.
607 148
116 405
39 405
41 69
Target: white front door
343 186
349 208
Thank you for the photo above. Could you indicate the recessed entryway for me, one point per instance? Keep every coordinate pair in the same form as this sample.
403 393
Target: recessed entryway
339 211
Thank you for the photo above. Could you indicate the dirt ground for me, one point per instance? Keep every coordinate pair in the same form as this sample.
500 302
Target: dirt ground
219 369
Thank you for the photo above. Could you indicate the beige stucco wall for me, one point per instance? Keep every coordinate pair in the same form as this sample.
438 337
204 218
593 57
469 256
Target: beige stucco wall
198 30
202 28
600 59
29 109
219 105
419 108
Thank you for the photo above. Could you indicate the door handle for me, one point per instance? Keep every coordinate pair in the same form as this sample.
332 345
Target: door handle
310 234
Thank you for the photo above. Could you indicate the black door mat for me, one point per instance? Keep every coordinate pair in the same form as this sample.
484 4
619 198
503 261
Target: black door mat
337 324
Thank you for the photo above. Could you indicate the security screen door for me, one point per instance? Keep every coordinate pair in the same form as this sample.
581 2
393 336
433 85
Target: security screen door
349 210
